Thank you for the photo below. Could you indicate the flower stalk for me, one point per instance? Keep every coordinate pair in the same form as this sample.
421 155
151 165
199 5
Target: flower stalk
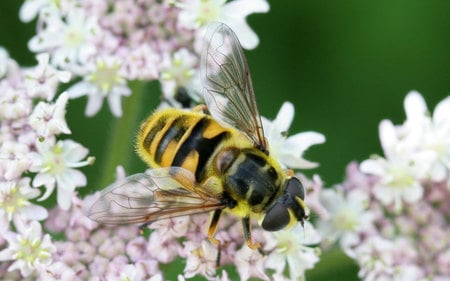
119 142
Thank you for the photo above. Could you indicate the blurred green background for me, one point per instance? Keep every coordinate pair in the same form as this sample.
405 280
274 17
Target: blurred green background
346 65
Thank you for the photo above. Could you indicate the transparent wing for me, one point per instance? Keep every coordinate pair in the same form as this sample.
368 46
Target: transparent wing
154 195
228 88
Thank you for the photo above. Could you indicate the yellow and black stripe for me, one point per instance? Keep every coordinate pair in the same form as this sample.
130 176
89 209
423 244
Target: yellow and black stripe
179 138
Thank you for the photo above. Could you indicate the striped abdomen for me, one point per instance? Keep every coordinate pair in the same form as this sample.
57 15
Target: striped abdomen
180 138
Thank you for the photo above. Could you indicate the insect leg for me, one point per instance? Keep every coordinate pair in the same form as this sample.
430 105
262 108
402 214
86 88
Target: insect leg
212 230
248 234
213 226
143 227
200 108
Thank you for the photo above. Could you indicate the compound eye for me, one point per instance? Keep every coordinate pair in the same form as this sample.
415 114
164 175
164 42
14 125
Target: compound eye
295 188
276 218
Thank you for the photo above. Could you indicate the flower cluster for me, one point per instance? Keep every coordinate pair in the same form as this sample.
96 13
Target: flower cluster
107 43
98 47
392 213
96 252
33 158
285 255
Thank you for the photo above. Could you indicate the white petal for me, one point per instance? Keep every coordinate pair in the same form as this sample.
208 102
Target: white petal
388 136
415 105
297 162
234 14
115 105
71 179
284 117
331 199
372 166
61 102
302 141
35 230
438 172
385 194
35 212
243 8
413 193
43 179
64 199
79 89
247 37
73 151
305 259
312 236
95 102
29 9
442 112
276 261
64 76
6 254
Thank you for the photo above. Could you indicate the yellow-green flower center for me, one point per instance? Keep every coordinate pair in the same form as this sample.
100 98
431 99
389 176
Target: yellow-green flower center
74 37
31 251
55 163
346 220
12 201
105 76
207 12
401 178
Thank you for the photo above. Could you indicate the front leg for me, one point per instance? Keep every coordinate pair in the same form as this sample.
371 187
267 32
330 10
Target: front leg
213 226
248 234
212 230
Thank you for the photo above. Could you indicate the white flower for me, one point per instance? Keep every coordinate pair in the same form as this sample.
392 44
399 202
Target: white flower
163 249
399 172
69 38
141 63
250 264
157 277
198 13
375 258
9 69
28 249
5 226
14 159
54 164
132 273
31 8
58 271
177 71
291 249
49 119
201 259
4 61
14 202
415 151
14 103
347 216
172 227
104 80
42 80
289 150
431 135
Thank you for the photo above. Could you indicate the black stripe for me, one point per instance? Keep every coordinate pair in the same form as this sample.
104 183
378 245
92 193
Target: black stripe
205 147
257 159
152 133
175 132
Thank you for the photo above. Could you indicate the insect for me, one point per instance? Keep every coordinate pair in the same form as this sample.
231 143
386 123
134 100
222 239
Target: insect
208 163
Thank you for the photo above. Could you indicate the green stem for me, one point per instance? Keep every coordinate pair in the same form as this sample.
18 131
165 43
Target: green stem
119 143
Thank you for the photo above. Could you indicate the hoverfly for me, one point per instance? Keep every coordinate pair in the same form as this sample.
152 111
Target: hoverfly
208 163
